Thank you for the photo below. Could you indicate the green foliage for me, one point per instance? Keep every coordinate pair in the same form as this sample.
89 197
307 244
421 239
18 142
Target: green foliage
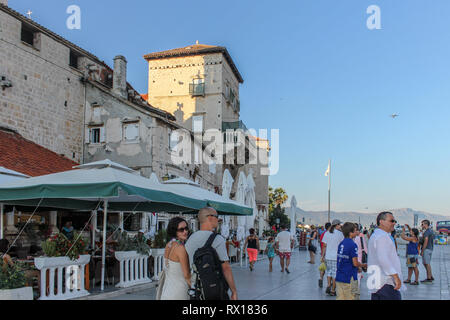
12 277
59 246
49 248
141 245
136 243
276 198
29 229
278 212
125 243
161 239
34 231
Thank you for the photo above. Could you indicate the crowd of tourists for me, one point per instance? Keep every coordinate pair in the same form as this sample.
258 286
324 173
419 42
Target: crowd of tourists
348 250
198 268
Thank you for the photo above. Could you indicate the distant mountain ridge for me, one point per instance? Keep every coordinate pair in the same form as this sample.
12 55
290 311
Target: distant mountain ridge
403 215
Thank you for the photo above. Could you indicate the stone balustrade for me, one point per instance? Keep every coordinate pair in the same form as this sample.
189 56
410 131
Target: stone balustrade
65 277
133 268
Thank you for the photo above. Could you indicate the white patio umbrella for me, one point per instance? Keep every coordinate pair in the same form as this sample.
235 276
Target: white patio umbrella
250 200
227 185
223 205
293 218
240 198
260 222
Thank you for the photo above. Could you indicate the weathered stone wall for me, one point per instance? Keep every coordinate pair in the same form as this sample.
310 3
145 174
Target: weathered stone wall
46 101
228 113
113 113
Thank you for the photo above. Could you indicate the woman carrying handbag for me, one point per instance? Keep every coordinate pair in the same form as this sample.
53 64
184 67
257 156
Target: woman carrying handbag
361 243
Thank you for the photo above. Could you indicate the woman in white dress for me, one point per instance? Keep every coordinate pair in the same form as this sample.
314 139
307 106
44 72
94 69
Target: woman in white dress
176 261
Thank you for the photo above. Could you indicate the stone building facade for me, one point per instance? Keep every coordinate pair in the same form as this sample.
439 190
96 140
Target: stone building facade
65 99
199 84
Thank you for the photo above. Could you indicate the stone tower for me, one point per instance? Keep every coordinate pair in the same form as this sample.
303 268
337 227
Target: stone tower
199 84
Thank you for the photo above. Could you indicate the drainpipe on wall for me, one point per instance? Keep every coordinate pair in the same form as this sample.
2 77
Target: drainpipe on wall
83 142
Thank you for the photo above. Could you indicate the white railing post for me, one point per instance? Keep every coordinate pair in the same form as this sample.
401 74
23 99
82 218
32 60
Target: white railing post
158 263
127 270
146 268
81 278
121 268
52 283
44 282
59 281
136 270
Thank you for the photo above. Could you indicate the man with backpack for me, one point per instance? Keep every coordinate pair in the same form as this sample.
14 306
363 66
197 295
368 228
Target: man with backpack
212 276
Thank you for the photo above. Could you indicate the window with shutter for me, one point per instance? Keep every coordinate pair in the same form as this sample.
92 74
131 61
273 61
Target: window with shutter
95 135
102 134
131 132
197 124
173 140
227 92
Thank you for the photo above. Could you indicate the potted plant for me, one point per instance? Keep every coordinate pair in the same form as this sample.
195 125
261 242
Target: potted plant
61 254
13 281
159 243
132 254
134 244
59 246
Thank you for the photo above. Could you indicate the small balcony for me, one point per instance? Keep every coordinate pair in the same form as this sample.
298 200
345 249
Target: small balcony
234 125
197 89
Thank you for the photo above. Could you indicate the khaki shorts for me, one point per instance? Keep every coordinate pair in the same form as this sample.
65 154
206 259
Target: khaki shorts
347 291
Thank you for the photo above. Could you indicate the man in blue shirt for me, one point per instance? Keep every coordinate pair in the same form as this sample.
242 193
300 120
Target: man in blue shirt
347 265
427 250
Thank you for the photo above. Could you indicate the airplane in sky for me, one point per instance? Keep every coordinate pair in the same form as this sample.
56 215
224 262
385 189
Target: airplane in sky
393 116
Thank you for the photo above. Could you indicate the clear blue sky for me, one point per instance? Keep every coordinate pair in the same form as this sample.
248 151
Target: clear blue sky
313 70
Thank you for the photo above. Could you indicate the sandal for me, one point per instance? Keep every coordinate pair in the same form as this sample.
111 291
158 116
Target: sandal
415 283
407 281
333 293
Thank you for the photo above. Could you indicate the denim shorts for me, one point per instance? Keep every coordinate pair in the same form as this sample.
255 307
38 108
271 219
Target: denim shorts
427 256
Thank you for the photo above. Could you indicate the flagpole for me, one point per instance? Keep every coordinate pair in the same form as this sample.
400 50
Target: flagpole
329 189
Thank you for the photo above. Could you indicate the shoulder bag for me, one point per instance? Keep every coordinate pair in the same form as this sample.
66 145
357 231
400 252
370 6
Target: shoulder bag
364 254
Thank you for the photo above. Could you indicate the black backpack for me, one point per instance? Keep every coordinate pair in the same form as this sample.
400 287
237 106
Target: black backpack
210 283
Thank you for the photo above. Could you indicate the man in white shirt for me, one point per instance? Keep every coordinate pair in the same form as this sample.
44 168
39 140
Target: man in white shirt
331 241
384 268
284 243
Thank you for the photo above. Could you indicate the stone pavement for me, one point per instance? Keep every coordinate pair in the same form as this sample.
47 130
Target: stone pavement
302 282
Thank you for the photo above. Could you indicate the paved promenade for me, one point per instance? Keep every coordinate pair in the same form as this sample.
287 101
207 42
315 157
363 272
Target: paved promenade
302 282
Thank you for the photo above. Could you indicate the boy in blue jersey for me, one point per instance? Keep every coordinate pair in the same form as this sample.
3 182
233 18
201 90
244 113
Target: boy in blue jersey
347 265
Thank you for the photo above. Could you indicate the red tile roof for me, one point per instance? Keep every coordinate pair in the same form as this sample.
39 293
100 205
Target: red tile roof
24 156
195 49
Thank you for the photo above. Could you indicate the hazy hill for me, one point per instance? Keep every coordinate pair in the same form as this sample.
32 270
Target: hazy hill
405 215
